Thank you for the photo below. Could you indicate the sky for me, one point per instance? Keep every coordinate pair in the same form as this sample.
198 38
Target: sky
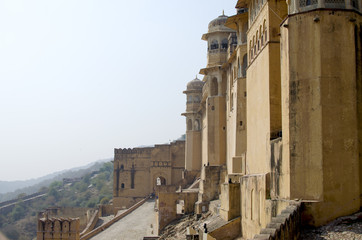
79 78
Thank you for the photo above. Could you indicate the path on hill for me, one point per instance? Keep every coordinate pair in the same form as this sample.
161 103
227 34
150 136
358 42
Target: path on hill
136 225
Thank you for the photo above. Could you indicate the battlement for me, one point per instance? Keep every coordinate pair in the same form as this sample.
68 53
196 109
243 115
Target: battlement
143 150
132 150
58 228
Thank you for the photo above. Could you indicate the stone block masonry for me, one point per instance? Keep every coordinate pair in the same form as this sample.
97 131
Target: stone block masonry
58 228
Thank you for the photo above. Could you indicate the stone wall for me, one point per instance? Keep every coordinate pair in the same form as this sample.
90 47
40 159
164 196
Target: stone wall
320 111
284 226
255 211
106 210
230 201
167 206
136 171
229 231
83 214
58 228
106 225
9 205
24 198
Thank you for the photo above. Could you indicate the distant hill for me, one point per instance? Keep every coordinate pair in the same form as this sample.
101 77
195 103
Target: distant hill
19 222
11 189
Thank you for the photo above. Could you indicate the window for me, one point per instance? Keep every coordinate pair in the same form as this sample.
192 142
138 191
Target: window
189 125
214 45
224 44
122 185
265 31
245 63
122 167
197 124
189 98
260 206
213 87
251 50
133 171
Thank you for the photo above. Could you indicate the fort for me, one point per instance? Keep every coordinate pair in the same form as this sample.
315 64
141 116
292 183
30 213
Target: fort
138 171
273 129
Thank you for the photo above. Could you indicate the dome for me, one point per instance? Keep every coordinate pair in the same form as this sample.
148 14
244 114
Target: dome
218 24
195 84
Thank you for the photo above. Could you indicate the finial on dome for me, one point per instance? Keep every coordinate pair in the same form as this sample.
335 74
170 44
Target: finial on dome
223 13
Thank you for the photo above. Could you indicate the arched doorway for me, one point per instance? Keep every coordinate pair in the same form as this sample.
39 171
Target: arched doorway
160 181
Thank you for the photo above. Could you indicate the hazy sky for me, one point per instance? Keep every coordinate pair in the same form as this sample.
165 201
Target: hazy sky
79 78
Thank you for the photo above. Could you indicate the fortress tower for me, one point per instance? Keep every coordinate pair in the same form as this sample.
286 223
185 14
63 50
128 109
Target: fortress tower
193 126
214 91
321 102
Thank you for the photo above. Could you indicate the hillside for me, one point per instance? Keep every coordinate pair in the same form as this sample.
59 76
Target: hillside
12 189
92 189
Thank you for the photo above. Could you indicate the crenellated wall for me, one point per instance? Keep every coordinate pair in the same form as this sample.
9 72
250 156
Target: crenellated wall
137 171
58 228
83 214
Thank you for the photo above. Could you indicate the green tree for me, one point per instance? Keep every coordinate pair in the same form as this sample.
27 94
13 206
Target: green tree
53 192
11 232
18 212
56 184
21 195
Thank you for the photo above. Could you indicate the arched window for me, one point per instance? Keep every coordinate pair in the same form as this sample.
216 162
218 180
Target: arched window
260 36
251 50
254 45
257 40
224 44
213 87
189 125
265 31
122 167
260 207
196 99
239 68
122 185
189 98
245 64
197 124
214 45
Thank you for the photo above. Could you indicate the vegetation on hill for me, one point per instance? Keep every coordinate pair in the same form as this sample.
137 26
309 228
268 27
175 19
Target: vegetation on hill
10 190
92 189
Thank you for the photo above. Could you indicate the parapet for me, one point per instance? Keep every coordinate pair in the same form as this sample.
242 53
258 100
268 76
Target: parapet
58 228
142 150
132 150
